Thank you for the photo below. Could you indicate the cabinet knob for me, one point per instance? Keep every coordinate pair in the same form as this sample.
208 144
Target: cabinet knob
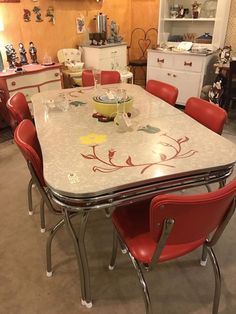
13 83
168 74
160 60
187 63
174 75
56 74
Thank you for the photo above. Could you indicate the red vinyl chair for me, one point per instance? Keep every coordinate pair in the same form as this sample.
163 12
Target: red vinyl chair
87 78
25 137
110 77
18 108
206 113
173 226
166 92
107 77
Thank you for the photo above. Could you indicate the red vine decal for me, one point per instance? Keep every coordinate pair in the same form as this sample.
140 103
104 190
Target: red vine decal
175 149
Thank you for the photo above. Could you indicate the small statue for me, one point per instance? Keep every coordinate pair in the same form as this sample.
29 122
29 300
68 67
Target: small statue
23 57
11 56
26 15
33 52
217 89
38 14
50 14
196 7
225 55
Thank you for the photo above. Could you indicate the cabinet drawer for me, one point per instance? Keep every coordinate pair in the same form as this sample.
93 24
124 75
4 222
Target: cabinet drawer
160 60
112 52
188 63
28 92
36 79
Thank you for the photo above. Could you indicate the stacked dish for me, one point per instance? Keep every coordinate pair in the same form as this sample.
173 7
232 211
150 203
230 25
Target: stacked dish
109 107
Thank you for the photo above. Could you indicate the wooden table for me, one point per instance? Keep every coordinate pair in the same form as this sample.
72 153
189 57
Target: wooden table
95 165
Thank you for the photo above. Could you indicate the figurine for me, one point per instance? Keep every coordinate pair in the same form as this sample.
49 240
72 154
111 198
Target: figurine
181 12
196 9
50 14
217 89
38 14
33 52
26 15
224 55
11 56
23 57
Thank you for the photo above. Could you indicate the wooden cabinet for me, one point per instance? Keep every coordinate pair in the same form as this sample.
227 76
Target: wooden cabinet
212 19
33 79
188 72
107 57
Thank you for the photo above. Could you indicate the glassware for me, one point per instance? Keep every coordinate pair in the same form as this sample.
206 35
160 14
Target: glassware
97 78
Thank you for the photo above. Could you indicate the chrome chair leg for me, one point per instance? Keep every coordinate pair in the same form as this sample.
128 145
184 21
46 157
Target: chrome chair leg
208 187
42 216
142 281
81 259
203 260
30 202
217 280
114 250
49 245
80 240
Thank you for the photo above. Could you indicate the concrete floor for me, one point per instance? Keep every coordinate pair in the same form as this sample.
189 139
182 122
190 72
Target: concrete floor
179 287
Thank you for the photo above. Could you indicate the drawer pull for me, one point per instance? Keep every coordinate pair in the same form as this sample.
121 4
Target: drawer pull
56 74
168 74
174 75
188 63
160 60
13 83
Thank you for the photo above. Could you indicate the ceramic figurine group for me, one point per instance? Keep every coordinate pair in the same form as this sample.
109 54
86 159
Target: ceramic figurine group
14 61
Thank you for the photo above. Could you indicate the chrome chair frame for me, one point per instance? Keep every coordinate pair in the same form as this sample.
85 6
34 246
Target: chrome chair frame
166 231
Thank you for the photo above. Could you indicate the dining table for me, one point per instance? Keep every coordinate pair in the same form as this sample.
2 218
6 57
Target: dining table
90 164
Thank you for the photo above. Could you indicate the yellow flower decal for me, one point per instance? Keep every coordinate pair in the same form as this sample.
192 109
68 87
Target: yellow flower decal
93 139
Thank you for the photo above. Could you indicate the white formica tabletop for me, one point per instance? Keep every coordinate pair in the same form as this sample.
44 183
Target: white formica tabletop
83 157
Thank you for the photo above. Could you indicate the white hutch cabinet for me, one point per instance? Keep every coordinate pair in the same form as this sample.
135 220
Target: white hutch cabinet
105 57
188 71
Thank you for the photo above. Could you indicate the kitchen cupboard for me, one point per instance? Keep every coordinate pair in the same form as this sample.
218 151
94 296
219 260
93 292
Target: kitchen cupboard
190 70
33 79
105 57
187 71
212 19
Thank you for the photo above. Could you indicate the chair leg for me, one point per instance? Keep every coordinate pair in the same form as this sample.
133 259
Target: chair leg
217 280
30 202
208 187
114 250
142 281
80 251
203 260
222 183
42 216
49 246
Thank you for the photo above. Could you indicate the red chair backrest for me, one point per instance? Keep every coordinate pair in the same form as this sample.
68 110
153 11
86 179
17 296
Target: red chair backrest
25 137
166 92
18 107
87 78
110 77
107 77
206 113
195 216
